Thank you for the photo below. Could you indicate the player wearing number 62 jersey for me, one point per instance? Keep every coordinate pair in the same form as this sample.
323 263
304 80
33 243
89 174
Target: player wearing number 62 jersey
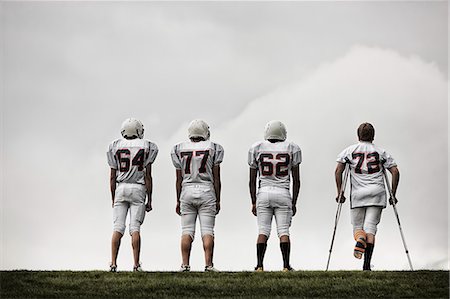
272 163
367 189
197 164
130 159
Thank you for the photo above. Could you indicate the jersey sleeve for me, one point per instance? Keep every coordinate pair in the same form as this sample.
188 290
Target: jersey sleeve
218 154
343 157
153 152
388 160
296 155
252 162
176 157
110 154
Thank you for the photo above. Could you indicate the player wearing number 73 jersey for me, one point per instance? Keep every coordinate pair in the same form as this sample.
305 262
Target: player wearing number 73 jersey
367 189
130 159
273 162
197 164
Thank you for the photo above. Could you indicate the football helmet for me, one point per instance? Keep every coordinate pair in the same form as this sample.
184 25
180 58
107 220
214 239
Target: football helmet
132 127
198 128
275 130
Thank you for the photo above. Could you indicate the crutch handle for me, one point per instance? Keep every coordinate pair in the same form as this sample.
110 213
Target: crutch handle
393 201
341 198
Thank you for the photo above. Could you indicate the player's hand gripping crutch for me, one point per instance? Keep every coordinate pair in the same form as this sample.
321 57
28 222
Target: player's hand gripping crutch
393 202
339 207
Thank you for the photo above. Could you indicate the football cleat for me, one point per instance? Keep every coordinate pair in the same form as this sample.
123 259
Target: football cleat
259 269
132 127
185 268
138 268
211 269
113 268
288 269
275 130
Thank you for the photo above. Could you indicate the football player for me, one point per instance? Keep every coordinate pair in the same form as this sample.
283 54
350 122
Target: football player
197 164
367 192
272 164
130 159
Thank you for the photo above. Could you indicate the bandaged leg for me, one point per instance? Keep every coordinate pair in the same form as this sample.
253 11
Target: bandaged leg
360 246
357 216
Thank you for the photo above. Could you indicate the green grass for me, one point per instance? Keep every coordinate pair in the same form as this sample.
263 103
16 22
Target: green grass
337 284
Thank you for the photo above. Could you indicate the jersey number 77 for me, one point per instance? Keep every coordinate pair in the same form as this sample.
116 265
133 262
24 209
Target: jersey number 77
189 155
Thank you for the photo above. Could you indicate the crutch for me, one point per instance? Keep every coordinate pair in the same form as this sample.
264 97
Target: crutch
338 211
396 214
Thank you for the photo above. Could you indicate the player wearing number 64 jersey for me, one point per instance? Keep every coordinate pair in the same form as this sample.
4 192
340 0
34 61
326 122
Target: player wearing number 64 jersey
197 164
272 163
367 189
130 159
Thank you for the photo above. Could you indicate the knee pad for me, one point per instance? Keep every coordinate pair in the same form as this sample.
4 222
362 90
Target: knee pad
207 221
119 227
370 228
189 233
373 217
283 233
283 230
283 219
207 231
134 228
188 225
264 230
137 215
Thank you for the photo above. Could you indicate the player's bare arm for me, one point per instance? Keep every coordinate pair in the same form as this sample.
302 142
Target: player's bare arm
295 188
178 186
395 180
112 184
217 186
338 176
252 187
149 187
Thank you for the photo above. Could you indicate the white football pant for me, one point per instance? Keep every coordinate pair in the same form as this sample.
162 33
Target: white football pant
273 201
129 197
198 200
366 218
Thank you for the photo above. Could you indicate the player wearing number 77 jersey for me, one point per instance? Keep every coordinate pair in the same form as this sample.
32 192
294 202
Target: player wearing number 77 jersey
367 189
130 159
273 162
197 164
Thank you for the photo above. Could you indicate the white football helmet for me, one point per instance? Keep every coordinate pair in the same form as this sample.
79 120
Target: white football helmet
198 128
275 130
132 127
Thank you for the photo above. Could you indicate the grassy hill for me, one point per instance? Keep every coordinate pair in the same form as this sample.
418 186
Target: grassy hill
338 284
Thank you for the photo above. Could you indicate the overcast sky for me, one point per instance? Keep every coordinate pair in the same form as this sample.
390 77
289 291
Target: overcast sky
73 71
